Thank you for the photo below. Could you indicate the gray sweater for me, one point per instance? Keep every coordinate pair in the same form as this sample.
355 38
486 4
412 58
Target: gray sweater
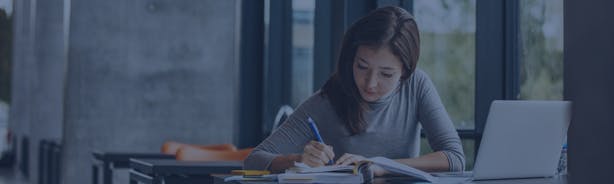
393 129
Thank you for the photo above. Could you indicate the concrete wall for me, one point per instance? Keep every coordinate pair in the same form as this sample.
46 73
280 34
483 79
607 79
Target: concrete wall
121 75
589 83
144 71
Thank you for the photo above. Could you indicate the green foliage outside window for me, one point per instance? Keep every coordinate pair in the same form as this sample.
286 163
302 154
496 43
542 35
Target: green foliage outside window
541 49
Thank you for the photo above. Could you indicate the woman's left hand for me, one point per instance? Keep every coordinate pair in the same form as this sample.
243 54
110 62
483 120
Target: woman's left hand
348 159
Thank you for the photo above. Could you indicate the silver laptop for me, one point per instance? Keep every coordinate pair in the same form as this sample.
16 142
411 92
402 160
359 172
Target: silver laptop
522 139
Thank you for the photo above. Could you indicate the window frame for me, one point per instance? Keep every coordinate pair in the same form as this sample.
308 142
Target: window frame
496 58
251 76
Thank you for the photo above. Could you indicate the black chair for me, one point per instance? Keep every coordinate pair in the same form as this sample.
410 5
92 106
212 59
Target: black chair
25 154
49 161
55 162
42 161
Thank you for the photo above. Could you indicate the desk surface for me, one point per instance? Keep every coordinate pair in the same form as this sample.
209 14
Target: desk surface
219 179
125 156
168 166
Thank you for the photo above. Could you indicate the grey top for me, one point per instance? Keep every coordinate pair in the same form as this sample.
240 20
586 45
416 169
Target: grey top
393 129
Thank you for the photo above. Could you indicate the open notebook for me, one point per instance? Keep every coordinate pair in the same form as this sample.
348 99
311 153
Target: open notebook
324 177
301 169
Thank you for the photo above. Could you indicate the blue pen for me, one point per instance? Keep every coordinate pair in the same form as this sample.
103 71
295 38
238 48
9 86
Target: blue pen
317 133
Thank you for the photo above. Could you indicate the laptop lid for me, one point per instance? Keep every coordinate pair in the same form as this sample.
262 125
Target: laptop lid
522 139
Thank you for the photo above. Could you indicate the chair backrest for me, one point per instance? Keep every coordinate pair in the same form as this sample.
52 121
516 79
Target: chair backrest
284 112
188 153
171 147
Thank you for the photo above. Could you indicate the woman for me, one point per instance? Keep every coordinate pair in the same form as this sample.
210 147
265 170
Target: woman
373 105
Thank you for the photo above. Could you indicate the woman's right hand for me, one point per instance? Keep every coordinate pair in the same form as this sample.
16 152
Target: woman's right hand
317 154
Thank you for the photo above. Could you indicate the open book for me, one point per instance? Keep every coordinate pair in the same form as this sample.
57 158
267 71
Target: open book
385 163
302 173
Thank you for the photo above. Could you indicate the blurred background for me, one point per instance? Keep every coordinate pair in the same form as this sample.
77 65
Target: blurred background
117 75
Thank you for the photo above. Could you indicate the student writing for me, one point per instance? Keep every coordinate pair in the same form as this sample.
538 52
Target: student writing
374 104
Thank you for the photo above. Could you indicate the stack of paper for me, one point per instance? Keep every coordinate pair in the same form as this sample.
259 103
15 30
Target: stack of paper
302 173
325 177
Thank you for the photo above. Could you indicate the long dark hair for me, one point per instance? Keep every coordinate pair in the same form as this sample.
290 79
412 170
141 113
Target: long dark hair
387 26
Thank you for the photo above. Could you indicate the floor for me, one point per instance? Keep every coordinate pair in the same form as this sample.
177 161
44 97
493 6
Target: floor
8 175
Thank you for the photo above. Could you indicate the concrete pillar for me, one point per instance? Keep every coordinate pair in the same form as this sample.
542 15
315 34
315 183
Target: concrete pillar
144 71
22 76
38 71
48 78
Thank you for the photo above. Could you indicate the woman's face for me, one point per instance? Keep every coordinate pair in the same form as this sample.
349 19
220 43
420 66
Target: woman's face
377 72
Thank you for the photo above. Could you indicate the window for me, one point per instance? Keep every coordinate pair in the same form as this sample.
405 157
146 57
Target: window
447 55
447 32
541 49
302 51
